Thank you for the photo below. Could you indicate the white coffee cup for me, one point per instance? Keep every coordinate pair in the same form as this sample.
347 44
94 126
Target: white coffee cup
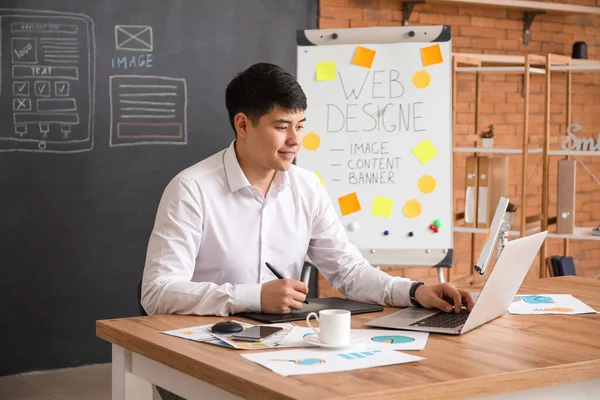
334 326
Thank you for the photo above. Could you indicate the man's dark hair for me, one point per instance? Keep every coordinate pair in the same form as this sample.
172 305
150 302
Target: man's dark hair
258 89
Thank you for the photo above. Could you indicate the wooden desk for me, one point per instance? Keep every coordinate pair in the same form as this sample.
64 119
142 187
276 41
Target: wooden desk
509 354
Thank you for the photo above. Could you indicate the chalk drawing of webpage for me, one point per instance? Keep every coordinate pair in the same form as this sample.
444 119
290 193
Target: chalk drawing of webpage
147 110
47 81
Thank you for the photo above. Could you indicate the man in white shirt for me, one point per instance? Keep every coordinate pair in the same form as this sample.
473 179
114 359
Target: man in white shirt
222 219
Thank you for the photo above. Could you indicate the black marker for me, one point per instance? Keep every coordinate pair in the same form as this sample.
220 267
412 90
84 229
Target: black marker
279 275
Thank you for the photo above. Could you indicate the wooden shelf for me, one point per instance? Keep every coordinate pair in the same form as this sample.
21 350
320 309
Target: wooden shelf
495 150
573 153
577 68
514 64
580 233
501 69
525 5
501 59
515 232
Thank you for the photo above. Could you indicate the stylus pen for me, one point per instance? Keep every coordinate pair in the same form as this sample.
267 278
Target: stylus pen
279 275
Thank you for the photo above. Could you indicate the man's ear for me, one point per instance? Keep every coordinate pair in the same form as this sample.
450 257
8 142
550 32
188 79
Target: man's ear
241 123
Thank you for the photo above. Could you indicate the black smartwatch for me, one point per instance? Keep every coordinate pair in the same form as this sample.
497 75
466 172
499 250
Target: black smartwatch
412 291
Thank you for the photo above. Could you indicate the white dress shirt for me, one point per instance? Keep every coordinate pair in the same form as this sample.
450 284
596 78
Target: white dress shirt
214 232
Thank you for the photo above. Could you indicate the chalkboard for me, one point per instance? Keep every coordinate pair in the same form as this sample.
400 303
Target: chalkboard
101 104
379 136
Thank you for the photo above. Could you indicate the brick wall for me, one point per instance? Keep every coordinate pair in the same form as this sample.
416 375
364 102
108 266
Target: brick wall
500 31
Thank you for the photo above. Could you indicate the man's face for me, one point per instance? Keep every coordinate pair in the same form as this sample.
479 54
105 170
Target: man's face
275 140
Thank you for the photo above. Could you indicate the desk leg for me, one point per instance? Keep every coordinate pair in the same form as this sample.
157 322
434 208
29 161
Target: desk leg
125 385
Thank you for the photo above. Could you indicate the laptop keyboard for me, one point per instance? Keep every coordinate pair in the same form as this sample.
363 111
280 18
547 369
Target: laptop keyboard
443 320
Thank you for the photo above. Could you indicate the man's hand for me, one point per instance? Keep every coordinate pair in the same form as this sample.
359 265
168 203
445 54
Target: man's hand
444 296
281 296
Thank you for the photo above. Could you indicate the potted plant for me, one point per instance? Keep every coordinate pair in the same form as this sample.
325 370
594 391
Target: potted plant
487 137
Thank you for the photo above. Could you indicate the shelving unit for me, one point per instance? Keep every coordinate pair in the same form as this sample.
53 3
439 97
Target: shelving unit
480 64
528 65
568 66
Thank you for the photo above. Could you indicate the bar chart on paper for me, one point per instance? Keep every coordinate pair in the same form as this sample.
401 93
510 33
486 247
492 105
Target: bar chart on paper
315 361
358 355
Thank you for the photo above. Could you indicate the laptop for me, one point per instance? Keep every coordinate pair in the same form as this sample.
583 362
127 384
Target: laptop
495 297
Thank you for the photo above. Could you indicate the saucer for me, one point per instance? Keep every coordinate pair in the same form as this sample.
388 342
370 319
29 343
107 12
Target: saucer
314 340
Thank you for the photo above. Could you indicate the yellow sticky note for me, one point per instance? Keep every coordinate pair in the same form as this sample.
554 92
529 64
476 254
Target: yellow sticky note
321 179
363 57
427 184
311 141
412 208
326 71
349 203
382 207
425 151
431 55
421 79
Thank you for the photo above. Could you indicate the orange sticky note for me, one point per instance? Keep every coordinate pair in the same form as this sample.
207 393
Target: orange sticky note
431 55
363 57
326 71
349 203
382 207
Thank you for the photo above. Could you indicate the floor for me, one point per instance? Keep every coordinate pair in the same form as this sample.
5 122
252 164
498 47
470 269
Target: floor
90 382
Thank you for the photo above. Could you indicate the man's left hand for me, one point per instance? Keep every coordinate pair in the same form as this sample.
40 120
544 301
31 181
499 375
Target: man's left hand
444 296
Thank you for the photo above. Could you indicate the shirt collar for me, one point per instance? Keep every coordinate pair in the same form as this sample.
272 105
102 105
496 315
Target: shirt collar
233 171
236 178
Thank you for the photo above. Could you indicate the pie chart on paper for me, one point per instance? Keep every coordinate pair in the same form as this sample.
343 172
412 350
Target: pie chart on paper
392 339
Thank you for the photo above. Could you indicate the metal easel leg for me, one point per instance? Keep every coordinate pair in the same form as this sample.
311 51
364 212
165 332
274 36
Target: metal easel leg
441 276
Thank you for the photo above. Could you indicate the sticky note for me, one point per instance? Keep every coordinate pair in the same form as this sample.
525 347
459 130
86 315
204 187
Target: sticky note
326 71
425 151
382 207
421 79
431 55
349 203
427 184
321 179
311 141
412 208
363 57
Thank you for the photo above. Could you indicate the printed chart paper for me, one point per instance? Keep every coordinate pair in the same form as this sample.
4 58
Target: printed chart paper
309 361
201 333
550 304
372 338
269 342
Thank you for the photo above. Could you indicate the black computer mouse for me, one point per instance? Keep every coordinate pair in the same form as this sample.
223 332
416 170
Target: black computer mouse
227 327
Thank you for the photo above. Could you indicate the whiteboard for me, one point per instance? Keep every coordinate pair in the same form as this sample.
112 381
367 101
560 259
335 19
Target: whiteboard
378 135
